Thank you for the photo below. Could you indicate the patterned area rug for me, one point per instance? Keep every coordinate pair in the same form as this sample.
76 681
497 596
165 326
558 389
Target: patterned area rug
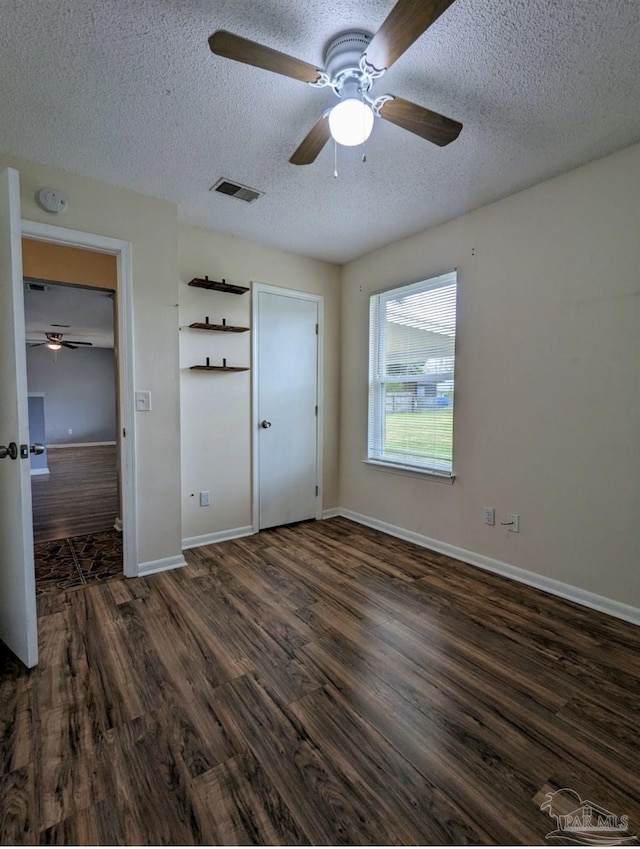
63 564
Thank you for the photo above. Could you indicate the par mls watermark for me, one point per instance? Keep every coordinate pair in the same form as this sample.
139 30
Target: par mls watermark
584 823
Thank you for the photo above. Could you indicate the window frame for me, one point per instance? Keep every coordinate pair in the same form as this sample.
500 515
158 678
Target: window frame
376 455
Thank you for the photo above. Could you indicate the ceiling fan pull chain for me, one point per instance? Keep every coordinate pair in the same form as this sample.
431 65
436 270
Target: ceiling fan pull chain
364 133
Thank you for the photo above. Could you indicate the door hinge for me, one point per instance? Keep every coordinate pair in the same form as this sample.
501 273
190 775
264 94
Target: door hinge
316 491
316 329
124 432
316 409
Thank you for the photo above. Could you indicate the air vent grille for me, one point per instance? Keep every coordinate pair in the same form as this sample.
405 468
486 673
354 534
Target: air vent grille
235 190
35 287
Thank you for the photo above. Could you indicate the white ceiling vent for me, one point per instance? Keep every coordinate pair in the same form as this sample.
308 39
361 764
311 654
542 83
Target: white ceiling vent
235 190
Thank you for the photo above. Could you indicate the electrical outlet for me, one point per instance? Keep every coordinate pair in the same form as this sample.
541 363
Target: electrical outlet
489 515
205 498
70 431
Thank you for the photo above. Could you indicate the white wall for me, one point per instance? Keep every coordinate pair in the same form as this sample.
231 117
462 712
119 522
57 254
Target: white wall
216 407
548 390
151 225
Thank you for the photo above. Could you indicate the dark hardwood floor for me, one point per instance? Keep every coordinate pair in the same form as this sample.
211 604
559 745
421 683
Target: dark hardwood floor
79 496
320 683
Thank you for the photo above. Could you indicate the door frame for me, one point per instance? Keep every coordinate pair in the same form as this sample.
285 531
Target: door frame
122 250
256 288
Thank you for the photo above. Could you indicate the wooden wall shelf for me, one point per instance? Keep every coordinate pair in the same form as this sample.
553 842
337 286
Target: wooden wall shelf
218 285
223 367
229 328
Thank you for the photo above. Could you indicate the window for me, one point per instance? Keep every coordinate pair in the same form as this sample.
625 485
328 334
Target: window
411 375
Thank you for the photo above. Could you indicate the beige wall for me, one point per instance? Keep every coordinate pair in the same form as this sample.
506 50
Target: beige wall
60 263
151 226
548 380
216 408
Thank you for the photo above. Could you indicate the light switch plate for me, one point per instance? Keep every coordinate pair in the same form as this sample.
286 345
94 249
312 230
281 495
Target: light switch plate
143 402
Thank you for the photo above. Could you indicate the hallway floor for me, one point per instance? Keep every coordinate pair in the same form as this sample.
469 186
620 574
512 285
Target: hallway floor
63 564
79 495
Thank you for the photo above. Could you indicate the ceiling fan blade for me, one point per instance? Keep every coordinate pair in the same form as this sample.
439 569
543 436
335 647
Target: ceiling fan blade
405 23
231 46
313 143
69 345
76 343
423 122
35 344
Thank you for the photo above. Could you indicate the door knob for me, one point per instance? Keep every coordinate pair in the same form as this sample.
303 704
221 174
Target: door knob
10 450
265 424
36 448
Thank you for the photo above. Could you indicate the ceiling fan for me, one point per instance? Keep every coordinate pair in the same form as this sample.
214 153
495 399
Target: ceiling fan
354 61
54 341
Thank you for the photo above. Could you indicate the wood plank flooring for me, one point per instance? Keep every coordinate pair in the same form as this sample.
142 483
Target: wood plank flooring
79 495
316 684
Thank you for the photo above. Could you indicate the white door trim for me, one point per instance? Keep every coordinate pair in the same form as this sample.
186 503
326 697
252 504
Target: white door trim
122 250
256 288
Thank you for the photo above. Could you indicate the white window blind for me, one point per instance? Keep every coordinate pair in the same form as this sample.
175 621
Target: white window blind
412 375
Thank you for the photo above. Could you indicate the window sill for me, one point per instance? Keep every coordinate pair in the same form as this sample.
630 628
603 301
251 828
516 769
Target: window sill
412 471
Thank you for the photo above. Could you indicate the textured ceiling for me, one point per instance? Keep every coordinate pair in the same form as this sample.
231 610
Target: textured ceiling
127 91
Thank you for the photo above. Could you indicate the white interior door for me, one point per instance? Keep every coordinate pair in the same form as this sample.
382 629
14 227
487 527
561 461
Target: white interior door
18 622
286 407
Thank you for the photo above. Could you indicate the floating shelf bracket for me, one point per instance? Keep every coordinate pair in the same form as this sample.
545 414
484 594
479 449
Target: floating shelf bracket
224 327
223 367
218 285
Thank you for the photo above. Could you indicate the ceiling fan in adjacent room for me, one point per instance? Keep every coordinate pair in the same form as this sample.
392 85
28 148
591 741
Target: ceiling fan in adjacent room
54 341
354 61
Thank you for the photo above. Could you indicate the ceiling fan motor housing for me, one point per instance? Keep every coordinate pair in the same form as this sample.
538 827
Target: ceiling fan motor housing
342 61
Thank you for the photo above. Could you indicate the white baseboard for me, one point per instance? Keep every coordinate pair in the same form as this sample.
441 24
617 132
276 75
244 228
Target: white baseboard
77 444
162 565
550 585
39 471
219 536
331 513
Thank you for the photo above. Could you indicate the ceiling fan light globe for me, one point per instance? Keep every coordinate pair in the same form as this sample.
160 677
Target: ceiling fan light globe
54 346
351 122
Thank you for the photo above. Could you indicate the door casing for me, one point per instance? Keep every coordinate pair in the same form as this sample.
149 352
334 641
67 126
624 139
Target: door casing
122 250
256 288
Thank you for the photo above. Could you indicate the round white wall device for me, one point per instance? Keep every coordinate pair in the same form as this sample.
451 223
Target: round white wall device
53 200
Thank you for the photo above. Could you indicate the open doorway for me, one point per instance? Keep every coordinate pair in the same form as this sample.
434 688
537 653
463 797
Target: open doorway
72 376
52 240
